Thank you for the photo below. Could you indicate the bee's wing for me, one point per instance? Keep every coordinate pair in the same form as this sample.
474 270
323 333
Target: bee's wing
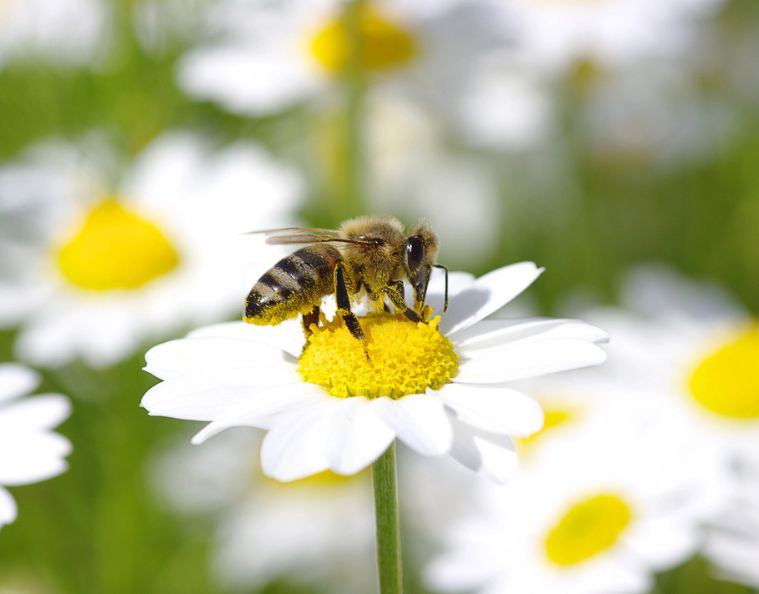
303 235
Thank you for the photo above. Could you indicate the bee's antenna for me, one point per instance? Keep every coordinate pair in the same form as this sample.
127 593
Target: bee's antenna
445 306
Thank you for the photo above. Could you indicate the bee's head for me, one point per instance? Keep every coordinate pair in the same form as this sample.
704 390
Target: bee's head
419 258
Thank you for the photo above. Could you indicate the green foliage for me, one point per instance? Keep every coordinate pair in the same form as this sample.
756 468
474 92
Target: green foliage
100 529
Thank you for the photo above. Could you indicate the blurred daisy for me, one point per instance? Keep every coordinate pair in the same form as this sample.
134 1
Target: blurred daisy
267 57
413 169
438 387
553 34
703 371
602 515
654 113
71 32
29 450
163 25
412 172
575 405
506 106
733 542
315 530
112 264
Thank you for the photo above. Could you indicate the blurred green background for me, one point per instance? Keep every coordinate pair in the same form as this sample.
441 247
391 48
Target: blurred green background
587 215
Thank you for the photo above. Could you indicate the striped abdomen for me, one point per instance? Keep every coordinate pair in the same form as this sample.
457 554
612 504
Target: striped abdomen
293 286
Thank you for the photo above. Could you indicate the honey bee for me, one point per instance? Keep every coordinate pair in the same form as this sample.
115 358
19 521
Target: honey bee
367 256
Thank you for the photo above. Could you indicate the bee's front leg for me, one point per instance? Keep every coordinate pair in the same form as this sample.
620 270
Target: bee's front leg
394 291
378 300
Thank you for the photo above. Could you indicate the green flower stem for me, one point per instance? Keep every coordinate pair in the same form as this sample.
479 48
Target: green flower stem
354 81
388 531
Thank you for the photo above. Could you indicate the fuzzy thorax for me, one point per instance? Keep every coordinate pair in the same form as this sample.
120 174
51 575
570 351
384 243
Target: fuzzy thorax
397 357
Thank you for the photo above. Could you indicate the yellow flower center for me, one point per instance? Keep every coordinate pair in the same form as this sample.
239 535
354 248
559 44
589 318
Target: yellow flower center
552 418
588 528
322 481
383 44
115 248
396 358
727 381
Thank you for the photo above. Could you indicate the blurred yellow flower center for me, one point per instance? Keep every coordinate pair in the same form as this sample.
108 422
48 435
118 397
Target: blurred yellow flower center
115 249
384 44
727 381
326 480
396 358
552 418
589 527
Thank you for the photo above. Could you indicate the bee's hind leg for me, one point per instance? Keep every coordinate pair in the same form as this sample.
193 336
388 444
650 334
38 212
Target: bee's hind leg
309 319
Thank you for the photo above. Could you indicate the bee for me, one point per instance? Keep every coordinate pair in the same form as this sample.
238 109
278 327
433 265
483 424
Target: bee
368 256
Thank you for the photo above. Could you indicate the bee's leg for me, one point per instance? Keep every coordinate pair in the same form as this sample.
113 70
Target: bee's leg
394 291
310 318
378 300
344 303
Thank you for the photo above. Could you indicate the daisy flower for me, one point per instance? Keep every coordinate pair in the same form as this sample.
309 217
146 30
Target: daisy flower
29 450
703 371
412 172
267 57
553 34
507 106
602 513
575 404
654 112
733 541
437 387
265 530
111 264
161 25
70 32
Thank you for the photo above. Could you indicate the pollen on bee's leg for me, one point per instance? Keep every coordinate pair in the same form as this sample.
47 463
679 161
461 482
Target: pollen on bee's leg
310 321
396 357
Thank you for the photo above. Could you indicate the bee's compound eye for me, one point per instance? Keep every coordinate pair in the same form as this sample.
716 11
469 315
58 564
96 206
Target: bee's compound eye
414 252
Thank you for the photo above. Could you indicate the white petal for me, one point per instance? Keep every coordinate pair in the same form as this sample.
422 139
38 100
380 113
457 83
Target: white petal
488 455
287 336
496 410
7 507
529 359
419 420
259 410
663 542
355 436
204 396
17 300
31 457
626 575
488 294
192 355
457 282
255 81
495 333
37 413
16 380
296 446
